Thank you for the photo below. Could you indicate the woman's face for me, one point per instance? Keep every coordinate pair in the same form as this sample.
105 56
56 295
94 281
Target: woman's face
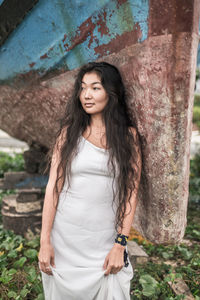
93 96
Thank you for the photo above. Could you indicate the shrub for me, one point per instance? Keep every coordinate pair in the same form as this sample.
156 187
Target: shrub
10 163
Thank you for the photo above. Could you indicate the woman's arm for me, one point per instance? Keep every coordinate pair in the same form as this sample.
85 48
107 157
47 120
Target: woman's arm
49 210
46 253
130 210
114 260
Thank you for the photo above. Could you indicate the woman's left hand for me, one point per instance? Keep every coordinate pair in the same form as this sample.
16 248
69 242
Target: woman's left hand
114 261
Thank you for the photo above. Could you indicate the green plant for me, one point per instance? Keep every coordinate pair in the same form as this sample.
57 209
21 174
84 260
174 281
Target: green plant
197 100
196 111
166 263
10 163
19 264
197 73
195 166
196 116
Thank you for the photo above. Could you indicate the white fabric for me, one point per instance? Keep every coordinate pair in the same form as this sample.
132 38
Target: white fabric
83 233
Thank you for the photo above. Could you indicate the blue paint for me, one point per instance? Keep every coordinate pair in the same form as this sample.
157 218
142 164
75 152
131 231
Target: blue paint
34 181
42 32
1 1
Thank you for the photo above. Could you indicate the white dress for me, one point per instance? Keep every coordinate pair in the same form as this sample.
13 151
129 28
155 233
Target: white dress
83 233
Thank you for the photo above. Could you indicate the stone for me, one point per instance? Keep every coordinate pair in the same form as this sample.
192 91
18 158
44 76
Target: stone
180 288
22 211
136 254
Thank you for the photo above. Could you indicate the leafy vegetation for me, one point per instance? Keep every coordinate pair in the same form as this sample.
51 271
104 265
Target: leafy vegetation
167 263
20 277
196 110
9 163
194 185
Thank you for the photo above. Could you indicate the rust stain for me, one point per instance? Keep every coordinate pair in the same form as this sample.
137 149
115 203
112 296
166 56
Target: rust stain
65 36
44 56
32 64
103 29
120 2
66 45
175 16
86 29
121 41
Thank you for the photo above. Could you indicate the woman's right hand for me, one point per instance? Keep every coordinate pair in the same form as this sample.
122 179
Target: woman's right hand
46 257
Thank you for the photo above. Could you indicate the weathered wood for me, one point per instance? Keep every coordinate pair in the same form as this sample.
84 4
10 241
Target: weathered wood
22 180
22 211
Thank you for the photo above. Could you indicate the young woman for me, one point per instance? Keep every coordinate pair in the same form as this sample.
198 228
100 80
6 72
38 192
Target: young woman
91 196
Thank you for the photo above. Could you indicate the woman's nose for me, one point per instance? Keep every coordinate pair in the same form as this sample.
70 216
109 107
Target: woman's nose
87 93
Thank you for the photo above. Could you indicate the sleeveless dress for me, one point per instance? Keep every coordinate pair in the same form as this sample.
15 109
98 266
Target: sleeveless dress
83 233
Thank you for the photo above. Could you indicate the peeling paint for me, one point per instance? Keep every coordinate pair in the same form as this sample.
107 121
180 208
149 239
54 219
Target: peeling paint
66 35
83 32
31 64
127 38
44 56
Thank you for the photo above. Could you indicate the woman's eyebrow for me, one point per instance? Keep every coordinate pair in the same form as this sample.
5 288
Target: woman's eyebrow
92 82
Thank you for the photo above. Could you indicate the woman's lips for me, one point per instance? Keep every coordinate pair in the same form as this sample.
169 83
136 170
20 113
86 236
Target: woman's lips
89 104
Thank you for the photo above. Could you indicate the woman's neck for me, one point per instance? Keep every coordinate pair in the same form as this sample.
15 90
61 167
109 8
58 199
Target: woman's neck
97 122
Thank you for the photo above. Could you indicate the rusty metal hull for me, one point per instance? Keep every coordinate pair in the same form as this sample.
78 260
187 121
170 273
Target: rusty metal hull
160 74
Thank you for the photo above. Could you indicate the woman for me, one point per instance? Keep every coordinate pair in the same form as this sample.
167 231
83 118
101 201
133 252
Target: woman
91 194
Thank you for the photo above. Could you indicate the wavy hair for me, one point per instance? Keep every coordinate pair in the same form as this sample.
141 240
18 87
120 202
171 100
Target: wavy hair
121 142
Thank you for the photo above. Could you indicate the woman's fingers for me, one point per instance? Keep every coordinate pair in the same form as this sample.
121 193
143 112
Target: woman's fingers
46 259
52 262
112 269
114 261
108 270
45 267
115 270
48 270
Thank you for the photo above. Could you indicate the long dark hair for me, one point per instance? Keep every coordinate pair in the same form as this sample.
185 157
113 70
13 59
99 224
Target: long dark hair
120 140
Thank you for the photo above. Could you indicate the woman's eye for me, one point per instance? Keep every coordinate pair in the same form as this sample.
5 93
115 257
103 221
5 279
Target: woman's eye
95 88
